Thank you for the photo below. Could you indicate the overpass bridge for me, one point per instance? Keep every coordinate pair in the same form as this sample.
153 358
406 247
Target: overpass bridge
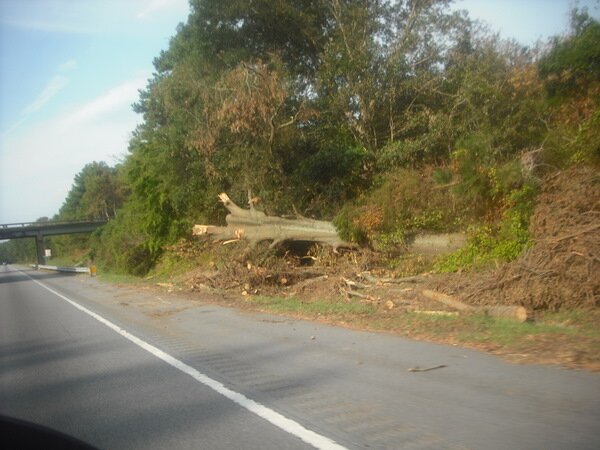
39 230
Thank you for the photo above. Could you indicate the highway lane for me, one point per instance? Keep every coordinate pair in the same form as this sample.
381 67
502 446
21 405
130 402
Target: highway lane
62 369
352 387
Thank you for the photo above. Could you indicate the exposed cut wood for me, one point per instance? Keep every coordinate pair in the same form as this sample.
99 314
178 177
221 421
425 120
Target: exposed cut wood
370 278
350 293
255 226
437 313
508 312
448 301
354 285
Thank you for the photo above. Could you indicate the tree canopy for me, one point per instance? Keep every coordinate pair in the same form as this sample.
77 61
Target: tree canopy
316 105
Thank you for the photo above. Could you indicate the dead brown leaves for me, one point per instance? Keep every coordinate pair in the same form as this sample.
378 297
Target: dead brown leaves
561 270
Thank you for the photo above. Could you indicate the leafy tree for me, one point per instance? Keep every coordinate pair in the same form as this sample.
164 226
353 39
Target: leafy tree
571 75
97 192
18 251
573 62
312 104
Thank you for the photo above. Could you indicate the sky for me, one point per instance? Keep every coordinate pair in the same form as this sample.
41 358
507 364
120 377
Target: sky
71 69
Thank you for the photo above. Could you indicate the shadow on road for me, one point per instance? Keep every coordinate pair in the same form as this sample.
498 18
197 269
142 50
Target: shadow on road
13 275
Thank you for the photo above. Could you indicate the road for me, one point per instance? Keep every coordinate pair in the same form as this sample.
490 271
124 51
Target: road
129 368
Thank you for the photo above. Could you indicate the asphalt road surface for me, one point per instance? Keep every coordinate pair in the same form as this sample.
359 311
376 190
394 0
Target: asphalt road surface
129 368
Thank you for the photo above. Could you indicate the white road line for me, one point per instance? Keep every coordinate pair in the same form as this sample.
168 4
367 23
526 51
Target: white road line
279 420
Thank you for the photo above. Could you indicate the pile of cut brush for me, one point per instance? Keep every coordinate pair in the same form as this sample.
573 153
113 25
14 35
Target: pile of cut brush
562 269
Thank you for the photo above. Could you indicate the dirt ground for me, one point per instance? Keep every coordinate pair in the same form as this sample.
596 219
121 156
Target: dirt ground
556 282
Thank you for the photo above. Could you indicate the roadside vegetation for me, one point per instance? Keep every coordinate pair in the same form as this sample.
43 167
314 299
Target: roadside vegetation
390 119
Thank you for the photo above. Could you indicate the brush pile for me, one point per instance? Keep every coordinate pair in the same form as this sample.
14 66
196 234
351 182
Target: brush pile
562 269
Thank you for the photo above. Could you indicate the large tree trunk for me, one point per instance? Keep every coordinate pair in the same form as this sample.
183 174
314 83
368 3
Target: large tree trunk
255 226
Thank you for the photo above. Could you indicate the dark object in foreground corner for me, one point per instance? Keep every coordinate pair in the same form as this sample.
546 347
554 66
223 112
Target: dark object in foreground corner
22 435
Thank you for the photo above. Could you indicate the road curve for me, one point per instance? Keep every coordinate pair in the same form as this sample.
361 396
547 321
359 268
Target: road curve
62 368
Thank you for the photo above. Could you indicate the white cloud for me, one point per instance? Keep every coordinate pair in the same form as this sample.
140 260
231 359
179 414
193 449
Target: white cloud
38 162
54 86
45 25
89 17
13 127
67 66
119 98
157 5
55 16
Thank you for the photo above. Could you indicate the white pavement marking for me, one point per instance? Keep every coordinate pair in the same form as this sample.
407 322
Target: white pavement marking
290 426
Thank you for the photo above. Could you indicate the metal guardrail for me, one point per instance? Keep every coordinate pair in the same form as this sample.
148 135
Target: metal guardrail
50 223
62 269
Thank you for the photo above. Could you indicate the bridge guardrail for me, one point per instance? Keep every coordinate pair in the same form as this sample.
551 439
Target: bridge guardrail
50 223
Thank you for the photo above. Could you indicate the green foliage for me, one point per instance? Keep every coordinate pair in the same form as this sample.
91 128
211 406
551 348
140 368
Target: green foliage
97 192
333 175
405 202
585 148
18 251
570 72
574 61
442 175
567 144
399 117
228 32
484 180
488 88
121 246
497 242
347 227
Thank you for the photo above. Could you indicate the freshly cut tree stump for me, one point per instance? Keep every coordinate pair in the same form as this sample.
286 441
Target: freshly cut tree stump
255 226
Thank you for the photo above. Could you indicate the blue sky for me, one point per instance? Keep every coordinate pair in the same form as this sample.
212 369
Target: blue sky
70 70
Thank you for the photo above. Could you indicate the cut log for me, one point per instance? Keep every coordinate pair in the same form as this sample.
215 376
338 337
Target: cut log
448 301
255 226
437 313
517 313
370 278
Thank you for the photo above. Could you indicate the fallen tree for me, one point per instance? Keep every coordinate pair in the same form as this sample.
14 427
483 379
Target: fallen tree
255 226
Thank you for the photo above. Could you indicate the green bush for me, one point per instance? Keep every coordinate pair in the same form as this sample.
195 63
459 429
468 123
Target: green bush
501 242
347 227
405 201
567 144
332 176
